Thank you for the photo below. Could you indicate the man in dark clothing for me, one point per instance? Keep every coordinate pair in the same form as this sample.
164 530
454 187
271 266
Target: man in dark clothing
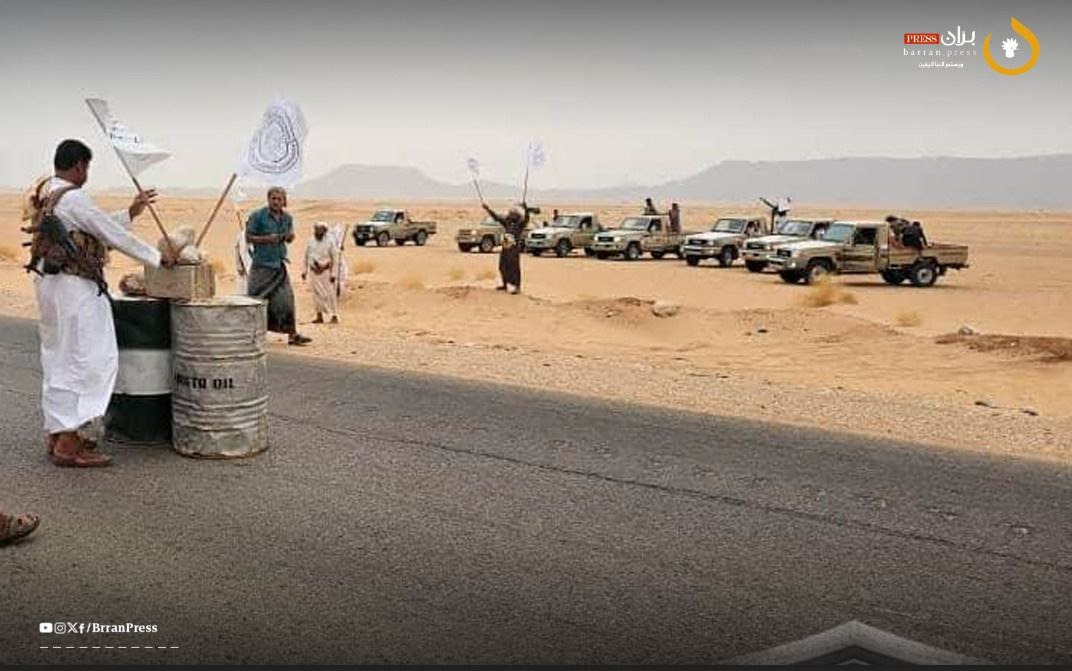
913 236
897 227
514 224
649 207
269 229
675 218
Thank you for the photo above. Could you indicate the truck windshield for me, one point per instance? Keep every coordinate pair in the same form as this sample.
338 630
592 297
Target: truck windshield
488 221
798 228
728 226
839 233
636 224
568 222
384 215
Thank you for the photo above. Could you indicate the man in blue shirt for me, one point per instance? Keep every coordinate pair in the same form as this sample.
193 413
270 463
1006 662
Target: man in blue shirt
269 230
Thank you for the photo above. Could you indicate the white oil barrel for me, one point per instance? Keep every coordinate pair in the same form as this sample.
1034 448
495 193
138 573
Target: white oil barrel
219 378
140 407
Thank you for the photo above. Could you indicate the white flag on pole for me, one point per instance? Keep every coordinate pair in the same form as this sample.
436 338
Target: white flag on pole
274 155
135 152
536 155
474 166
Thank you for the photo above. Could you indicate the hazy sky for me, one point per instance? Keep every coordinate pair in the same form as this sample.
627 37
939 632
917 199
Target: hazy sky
619 92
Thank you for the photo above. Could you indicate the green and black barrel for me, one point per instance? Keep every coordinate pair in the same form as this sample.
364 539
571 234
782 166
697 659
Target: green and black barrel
140 409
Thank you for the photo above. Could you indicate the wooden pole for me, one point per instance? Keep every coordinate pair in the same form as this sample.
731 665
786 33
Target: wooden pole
477 185
156 218
226 190
525 191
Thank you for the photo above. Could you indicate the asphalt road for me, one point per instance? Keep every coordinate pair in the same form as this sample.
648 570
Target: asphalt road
401 518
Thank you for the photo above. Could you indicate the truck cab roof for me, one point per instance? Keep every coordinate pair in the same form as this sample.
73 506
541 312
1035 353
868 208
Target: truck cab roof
859 222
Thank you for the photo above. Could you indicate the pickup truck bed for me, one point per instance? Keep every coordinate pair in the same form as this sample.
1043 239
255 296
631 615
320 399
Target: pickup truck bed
946 255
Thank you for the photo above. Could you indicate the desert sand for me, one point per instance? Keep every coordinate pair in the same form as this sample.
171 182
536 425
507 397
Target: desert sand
877 360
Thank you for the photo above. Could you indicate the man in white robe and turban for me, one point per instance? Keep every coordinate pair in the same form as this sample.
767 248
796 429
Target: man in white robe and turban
322 260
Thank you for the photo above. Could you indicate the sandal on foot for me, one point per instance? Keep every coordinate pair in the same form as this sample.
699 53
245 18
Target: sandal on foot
85 456
81 460
14 528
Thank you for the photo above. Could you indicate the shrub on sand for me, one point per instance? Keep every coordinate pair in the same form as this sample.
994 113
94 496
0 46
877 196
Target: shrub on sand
485 274
820 294
908 319
456 274
413 281
824 293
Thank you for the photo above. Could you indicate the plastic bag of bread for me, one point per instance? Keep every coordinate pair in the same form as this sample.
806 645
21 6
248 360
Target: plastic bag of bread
132 284
181 238
190 256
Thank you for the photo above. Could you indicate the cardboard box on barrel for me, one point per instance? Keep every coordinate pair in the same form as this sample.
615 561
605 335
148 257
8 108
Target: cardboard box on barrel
184 282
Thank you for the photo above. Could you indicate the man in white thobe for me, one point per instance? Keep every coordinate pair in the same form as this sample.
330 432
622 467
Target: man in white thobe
322 260
243 260
79 355
342 276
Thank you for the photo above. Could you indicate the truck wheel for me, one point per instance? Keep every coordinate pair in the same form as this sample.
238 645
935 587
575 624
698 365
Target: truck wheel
893 276
382 239
632 252
789 276
692 260
487 243
657 255
726 257
462 247
588 251
923 274
602 255
421 238
360 243
816 271
536 252
563 248
755 266
400 242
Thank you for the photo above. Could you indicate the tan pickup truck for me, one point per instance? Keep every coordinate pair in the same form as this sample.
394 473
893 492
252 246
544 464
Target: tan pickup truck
575 230
636 236
865 247
723 242
390 224
757 250
485 236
